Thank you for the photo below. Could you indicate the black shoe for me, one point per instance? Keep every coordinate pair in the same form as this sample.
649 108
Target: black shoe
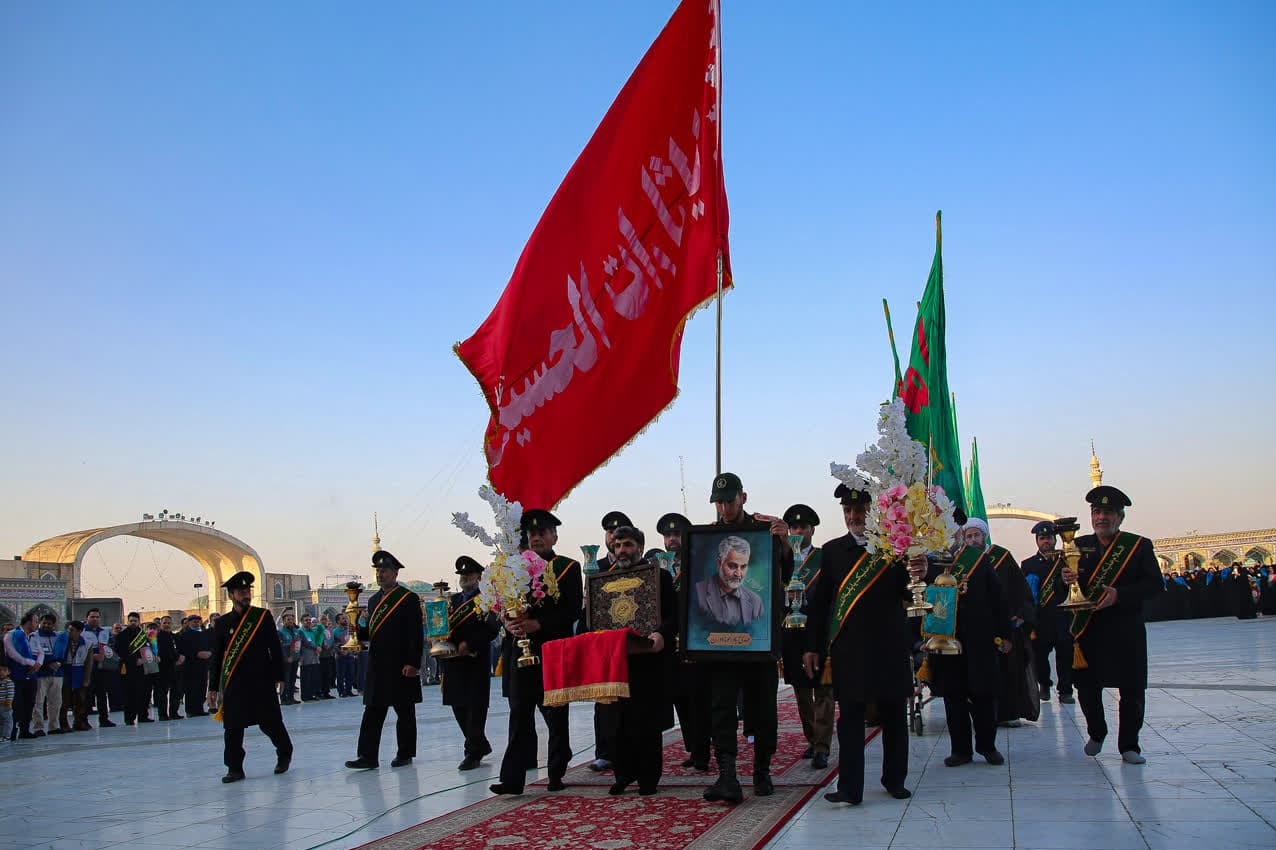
282 763
326 696
233 776
362 764
470 763
106 724
956 760
487 750
400 761
24 735
688 763
58 731
994 757
727 788
178 716
647 790
1066 699
39 734
502 788
617 788
146 720
820 762
700 766
556 785
808 752
900 793
841 797
1045 695
164 717
762 784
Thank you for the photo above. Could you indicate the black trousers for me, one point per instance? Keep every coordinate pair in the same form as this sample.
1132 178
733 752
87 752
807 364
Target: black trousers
310 679
893 717
272 727
327 674
756 684
164 692
194 686
1130 707
694 706
1053 636
606 723
137 693
23 704
473 722
962 709
404 730
520 752
290 681
637 745
101 687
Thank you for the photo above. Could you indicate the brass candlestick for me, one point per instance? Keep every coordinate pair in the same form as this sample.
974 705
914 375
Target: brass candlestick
526 658
917 587
937 644
353 610
1067 527
795 591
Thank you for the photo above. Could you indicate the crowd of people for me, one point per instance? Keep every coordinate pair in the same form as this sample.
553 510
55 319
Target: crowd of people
1238 590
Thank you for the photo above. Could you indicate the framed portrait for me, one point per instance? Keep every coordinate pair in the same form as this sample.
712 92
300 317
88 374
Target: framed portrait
731 593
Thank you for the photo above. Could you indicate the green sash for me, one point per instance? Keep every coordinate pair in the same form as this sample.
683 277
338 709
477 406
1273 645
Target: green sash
967 560
809 569
139 640
1111 565
1051 583
858 580
461 613
243 635
996 556
385 607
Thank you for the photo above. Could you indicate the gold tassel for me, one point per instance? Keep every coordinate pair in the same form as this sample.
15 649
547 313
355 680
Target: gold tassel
923 672
500 667
826 678
217 715
1078 660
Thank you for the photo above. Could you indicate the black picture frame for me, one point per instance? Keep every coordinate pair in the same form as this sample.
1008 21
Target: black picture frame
708 627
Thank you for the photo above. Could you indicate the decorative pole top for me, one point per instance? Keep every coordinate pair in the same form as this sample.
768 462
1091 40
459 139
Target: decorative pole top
1096 472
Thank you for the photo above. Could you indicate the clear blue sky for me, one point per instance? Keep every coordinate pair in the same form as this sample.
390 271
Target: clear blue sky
238 242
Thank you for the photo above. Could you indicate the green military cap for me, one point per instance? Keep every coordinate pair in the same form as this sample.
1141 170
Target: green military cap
538 518
726 487
801 515
238 580
673 524
382 558
852 495
466 564
1105 496
613 520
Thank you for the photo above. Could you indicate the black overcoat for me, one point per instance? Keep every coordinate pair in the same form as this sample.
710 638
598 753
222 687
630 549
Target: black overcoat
982 617
557 618
399 641
251 694
467 679
872 654
1115 644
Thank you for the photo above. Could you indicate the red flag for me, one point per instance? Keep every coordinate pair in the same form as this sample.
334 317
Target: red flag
581 352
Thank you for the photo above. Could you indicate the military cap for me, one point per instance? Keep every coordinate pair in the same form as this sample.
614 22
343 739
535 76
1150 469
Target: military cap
1108 497
243 578
382 558
466 564
538 518
673 524
850 496
1044 527
613 520
726 487
801 515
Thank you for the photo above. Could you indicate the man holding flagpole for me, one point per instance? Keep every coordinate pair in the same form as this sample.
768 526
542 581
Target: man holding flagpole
245 673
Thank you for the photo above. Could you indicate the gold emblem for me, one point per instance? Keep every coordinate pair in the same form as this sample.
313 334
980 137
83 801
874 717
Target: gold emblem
941 607
797 517
720 484
1105 500
623 609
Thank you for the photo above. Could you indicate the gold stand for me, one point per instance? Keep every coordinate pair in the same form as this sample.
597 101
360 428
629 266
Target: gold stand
526 658
1067 527
919 606
944 645
353 610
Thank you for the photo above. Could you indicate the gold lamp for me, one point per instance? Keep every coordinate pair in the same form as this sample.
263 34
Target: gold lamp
1067 527
353 610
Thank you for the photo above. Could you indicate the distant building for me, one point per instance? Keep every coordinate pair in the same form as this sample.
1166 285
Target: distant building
33 586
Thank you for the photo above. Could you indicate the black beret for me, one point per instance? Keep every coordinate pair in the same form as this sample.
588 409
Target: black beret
382 558
673 524
852 497
801 515
466 564
538 518
238 580
613 520
1108 497
1045 527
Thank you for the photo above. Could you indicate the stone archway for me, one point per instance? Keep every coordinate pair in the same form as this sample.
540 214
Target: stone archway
1259 555
220 554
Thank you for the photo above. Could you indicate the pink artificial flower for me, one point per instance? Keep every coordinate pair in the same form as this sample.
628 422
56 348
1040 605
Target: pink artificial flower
897 512
897 492
538 594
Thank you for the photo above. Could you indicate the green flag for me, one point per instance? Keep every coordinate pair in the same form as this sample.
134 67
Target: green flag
890 333
974 489
925 384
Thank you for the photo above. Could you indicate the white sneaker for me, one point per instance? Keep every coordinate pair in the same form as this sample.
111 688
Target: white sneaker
1092 747
1132 757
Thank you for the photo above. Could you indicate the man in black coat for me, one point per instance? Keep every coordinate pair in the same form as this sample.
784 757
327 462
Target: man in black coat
688 686
466 684
642 717
814 700
393 628
858 623
130 647
969 682
545 620
1119 572
247 672
751 684
194 644
165 692
1042 572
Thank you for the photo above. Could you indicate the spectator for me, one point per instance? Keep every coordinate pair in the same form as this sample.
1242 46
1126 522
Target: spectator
6 703
133 647
290 643
168 698
73 649
345 659
48 689
311 642
24 666
104 669
194 647
117 681
327 660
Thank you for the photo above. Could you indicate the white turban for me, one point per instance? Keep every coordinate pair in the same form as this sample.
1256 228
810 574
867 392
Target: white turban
976 522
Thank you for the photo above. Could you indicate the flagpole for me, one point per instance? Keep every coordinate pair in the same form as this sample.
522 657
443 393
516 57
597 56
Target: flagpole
717 413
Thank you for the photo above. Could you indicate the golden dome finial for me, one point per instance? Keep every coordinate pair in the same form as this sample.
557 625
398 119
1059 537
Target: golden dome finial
376 534
1096 472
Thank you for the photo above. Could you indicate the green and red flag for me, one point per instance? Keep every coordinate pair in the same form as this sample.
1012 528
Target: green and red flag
924 387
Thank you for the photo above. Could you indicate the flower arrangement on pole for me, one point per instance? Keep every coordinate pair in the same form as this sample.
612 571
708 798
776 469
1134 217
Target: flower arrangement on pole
909 516
512 575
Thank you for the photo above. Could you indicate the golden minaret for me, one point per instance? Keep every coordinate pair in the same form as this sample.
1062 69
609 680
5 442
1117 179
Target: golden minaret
376 534
1096 473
